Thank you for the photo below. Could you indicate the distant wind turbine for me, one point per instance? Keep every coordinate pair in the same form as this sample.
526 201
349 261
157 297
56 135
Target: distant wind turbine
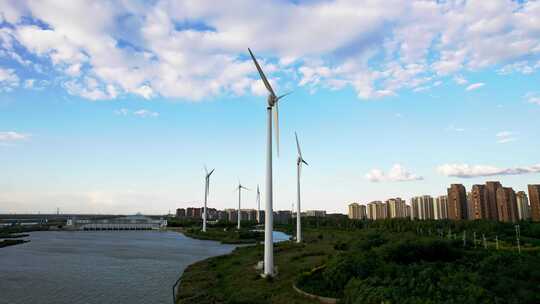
273 100
206 192
258 205
239 188
299 162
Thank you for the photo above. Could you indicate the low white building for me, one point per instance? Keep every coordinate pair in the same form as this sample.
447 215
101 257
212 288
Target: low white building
132 222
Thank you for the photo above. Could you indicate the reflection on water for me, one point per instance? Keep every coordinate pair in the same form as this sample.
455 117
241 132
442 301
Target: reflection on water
99 267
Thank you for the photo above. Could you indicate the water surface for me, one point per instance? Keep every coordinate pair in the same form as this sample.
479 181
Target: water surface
99 267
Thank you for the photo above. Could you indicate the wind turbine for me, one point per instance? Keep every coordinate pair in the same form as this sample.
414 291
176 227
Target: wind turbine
206 192
299 162
239 188
258 205
273 100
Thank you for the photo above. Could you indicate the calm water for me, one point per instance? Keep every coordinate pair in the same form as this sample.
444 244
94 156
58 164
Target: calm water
99 267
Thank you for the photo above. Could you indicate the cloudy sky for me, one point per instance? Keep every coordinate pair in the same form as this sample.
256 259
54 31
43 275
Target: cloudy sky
116 106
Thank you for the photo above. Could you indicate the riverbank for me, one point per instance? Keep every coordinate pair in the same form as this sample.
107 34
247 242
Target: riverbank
234 279
12 236
394 261
225 235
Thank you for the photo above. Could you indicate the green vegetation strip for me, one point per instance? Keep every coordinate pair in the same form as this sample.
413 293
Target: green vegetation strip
225 235
392 261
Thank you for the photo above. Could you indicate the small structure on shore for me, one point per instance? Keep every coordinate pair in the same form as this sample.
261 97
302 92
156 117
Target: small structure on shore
131 222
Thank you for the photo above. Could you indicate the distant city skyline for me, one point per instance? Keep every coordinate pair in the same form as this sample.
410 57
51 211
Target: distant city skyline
120 113
489 201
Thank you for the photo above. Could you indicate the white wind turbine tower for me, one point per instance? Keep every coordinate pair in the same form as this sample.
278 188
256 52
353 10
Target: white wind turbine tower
273 100
206 192
239 188
299 162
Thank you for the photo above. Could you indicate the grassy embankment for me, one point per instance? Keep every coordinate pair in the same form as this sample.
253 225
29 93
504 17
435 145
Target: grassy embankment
233 279
380 262
225 235
223 232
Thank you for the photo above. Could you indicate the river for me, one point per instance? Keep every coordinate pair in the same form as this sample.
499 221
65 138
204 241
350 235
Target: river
99 267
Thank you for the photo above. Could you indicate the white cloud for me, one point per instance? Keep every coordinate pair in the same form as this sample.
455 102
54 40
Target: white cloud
197 49
469 171
8 80
532 97
29 83
460 80
8 138
505 137
474 86
523 67
122 112
143 113
396 174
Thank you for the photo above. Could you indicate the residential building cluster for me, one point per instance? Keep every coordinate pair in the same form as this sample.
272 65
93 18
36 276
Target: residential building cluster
490 201
231 215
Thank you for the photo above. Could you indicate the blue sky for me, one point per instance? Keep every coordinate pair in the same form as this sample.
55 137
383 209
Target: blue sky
121 112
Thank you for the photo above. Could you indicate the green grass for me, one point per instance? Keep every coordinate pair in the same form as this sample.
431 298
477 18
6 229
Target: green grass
234 279
225 235
407 260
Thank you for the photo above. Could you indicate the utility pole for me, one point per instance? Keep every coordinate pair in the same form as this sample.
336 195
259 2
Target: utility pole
484 240
474 238
497 242
464 238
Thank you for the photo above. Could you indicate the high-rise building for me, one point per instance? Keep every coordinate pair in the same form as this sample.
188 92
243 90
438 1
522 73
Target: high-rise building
522 205
180 212
223 215
457 202
534 200
282 216
491 200
469 206
414 209
357 211
440 208
506 204
232 215
478 202
251 214
376 210
396 208
193 212
423 207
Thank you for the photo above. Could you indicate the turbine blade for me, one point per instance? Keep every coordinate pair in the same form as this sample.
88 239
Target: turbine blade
211 172
245 188
305 162
261 73
283 95
276 126
205 170
298 146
